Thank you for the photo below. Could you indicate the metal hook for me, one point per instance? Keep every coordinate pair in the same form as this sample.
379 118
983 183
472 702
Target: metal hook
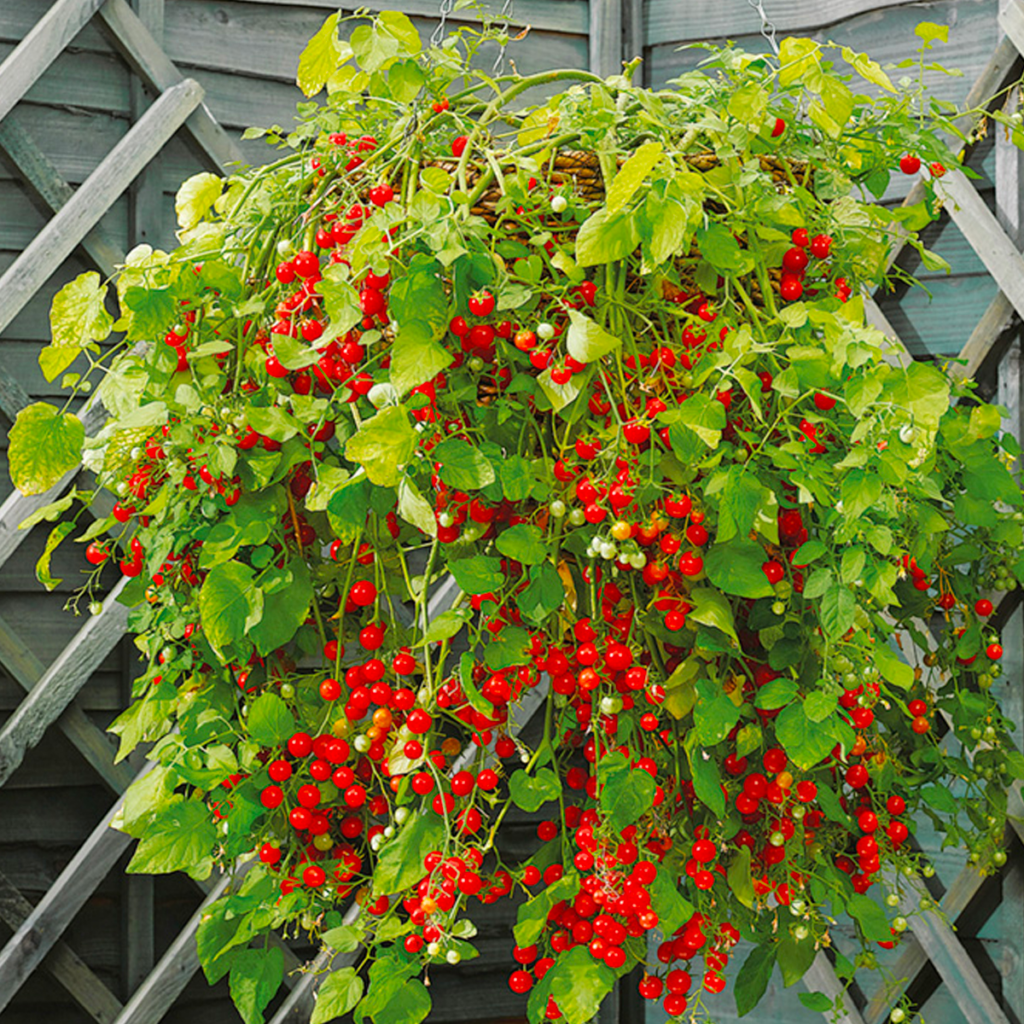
767 28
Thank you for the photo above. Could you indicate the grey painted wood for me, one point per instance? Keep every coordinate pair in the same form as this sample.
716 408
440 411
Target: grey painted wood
606 37
983 231
994 323
65 966
146 192
821 977
39 174
138 951
136 44
1011 21
61 682
81 213
672 20
91 742
34 54
50 917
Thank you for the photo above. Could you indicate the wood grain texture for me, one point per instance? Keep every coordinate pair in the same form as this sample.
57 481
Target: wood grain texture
61 682
91 742
34 54
65 966
606 37
50 917
39 175
81 213
146 57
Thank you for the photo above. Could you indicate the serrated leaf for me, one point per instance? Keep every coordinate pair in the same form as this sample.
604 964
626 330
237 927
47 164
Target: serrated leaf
319 57
78 318
44 444
179 838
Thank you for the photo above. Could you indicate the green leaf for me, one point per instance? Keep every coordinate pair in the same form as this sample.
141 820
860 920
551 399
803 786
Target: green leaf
748 104
836 610
817 1001
284 611
794 957
446 625
508 649
712 609
477 574
195 197
752 980
714 714
819 705
805 741
860 490
666 228
383 445
523 543
57 534
632 174
44 444
338 994
346 938
892 667
704 416
532 792
415 509
740 496
340 300
720 248
179 838
416 357
929 31
319 58
868 69
400 863
707 780
586 341
797 59
256 974
544 594
272 422
852 564
579 984
230 604
270 721
736 568
78 318
604 238
626 793
672 909
405 80
398 25
463 466
871 918
559 395
739 877
776 693
922 389
533 914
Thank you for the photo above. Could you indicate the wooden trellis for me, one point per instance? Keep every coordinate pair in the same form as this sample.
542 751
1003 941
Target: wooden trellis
51 690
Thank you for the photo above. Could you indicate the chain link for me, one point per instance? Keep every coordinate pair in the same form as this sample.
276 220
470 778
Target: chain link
506 15
767 28
437 35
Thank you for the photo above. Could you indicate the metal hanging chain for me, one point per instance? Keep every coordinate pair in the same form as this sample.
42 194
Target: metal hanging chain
438 34
767 28
506 16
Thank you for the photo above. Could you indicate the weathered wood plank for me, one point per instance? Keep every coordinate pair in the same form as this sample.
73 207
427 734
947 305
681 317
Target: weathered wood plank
982 230
34 54
63 963
41 176
606 37
138 946
61 681
1011 21
81 213
50 917
92 743
98 81
146 192
155 995
672 21
135 42
997 319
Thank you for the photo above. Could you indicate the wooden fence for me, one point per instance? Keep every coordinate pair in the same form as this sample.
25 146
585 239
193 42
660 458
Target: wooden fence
104 107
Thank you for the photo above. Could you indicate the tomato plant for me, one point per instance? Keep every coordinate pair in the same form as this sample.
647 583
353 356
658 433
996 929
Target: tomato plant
598 367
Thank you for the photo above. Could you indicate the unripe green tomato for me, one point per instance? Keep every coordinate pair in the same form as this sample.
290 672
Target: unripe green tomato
559 204
984 680
783 589
928 871
557 508
453 956
285 248
95 607
926 903
798 907
900 924
801 932
999 858
898 1015
777 839
892 900
576 517
287 691
778 607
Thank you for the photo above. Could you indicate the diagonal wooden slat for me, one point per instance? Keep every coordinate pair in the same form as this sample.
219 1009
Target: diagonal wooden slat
87 738
58 239
1011 21
821 977
45 181
38 50
54 912
61 682
143 53
63 963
